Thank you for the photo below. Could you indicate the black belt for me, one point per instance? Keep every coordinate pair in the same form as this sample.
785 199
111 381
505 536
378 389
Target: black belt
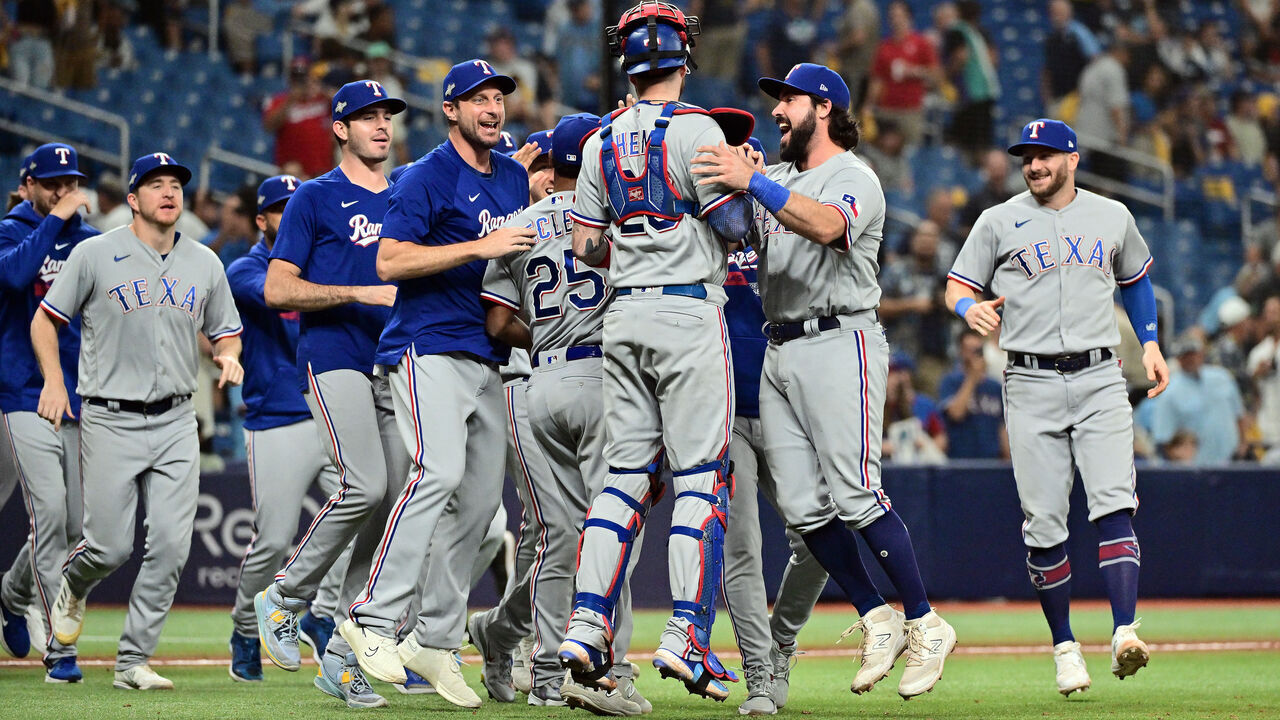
577 352
158 407
694 291
779 333
1071 362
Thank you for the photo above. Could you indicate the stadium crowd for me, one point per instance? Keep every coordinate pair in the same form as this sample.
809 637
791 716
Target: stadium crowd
1190 91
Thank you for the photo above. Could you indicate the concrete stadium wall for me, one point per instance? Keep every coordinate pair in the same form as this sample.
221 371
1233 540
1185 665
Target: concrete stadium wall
1204 533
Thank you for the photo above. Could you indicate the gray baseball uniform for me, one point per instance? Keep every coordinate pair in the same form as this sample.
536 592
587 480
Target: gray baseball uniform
283 463
141 316
1058 270
668 385
45 453
822 394
564 301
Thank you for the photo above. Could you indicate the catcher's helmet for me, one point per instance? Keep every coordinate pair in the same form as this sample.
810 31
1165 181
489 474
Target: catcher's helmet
653 36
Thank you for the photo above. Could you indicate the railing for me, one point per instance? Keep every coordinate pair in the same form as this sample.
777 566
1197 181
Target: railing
216 155
1164 199
1255 195
122 160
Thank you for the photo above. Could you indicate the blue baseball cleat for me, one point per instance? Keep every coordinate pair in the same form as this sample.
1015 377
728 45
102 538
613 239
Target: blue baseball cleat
14 637
63 670
246 659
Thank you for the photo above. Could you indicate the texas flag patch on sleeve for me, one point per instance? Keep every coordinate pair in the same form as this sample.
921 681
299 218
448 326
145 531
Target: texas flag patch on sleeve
853 204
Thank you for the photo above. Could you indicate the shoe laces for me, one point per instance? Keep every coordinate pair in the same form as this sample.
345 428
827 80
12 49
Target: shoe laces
789 660
288 630
866 629
916 652
359 683
759 681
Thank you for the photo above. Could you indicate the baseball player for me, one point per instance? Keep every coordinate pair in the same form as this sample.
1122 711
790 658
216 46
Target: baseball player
282 443
767 676
36 237
443 222
1053 257
564 302
509 626
323 265
668 387
16 632
145 294
823 387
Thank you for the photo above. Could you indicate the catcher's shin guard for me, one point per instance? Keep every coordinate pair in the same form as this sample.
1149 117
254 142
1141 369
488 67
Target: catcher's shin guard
604 551
704 517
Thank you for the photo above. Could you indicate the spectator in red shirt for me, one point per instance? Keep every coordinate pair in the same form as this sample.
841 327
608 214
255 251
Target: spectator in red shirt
299 117
905 66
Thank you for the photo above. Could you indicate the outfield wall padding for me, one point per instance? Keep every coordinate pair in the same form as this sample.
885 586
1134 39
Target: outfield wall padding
1203 533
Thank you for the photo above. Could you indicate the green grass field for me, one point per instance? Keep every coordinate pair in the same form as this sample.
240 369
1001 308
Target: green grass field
1002 669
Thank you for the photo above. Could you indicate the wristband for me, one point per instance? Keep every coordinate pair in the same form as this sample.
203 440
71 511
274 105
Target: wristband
770 194
963 305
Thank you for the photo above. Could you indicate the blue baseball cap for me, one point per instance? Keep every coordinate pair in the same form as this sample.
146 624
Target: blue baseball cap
544 140
361 94
1052 134
398 171
755 144
157 162
276 189
810 78
506 144
570 133
470 74
52 160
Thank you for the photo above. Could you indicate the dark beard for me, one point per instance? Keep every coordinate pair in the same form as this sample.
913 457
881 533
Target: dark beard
473 137
796 147
1054 187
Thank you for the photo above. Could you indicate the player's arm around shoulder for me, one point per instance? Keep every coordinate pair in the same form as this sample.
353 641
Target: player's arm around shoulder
737 170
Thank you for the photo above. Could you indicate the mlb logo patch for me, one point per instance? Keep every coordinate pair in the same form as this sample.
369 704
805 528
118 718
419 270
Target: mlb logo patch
635 194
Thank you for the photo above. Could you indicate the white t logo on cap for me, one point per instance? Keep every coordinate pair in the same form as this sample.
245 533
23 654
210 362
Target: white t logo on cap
290 182
63 154
484 66
162 157
375 86
1035 127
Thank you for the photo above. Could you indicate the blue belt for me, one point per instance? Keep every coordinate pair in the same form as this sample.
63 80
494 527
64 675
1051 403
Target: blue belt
698 291
577 352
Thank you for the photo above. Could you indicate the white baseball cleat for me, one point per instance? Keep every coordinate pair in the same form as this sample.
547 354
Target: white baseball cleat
1128 653
141 677
67 616
930 639
438 667
1073 676
377 654
884 639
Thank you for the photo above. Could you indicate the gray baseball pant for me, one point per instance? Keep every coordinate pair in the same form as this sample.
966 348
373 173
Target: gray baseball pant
744 592
283 463
355 415
668 386
566 412
127 456
449 414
